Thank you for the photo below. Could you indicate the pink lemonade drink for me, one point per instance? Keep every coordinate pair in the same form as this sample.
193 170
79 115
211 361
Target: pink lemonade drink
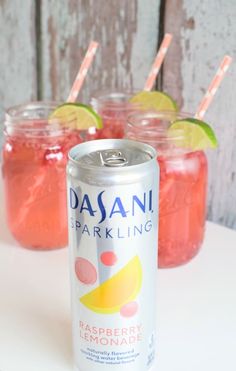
183 184
112 207
34 174
114 109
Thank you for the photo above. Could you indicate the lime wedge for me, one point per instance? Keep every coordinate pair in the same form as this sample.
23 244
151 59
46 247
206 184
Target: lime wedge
154 100
76 115
196 134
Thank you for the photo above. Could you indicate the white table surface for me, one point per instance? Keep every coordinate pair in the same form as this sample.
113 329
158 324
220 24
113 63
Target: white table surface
196 315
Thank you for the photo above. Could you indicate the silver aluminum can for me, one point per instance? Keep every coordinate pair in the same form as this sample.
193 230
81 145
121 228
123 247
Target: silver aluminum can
112 214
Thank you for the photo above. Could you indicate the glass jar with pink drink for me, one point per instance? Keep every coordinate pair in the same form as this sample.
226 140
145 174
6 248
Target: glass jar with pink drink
114 109
34 175
183 186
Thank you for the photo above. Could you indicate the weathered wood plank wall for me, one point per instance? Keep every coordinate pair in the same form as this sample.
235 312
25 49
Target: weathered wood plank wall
205 31
18 53
126 30
43 41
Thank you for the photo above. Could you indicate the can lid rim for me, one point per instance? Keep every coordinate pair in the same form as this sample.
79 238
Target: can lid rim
106 144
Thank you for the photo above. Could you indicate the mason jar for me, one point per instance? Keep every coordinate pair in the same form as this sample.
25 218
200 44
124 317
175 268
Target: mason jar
183 185
34 175
114 108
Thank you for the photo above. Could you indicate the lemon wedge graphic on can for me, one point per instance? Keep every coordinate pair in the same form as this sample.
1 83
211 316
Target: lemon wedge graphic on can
118 290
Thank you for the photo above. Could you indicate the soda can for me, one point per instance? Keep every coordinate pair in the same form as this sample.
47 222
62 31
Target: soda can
112 214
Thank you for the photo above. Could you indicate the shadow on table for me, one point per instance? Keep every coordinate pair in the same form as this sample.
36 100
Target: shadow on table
55 335
41 329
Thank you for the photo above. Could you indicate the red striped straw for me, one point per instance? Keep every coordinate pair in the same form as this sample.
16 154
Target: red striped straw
87 61
158 62
220 74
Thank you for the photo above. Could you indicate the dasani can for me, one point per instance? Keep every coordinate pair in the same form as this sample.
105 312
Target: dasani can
112 214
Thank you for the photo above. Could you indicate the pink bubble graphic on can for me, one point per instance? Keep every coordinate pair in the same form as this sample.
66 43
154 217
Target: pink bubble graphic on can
129 309
85 271
108 258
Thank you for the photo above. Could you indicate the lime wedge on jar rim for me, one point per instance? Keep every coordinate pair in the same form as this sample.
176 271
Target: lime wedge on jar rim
76 115
154 100
196 134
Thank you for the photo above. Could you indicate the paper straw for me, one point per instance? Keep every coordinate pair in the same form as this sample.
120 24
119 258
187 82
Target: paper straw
220 74
158 62
82 72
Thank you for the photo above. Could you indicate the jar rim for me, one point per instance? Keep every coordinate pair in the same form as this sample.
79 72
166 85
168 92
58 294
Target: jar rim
32 117
159 114
144 126
16 113
113 99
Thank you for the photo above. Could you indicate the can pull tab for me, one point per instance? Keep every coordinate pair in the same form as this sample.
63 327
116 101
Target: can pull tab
113 158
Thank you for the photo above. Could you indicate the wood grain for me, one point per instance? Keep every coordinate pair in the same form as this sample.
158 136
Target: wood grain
126 30
18 53
171 76
204 32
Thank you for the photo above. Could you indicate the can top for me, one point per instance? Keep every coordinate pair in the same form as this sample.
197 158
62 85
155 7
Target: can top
111 153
